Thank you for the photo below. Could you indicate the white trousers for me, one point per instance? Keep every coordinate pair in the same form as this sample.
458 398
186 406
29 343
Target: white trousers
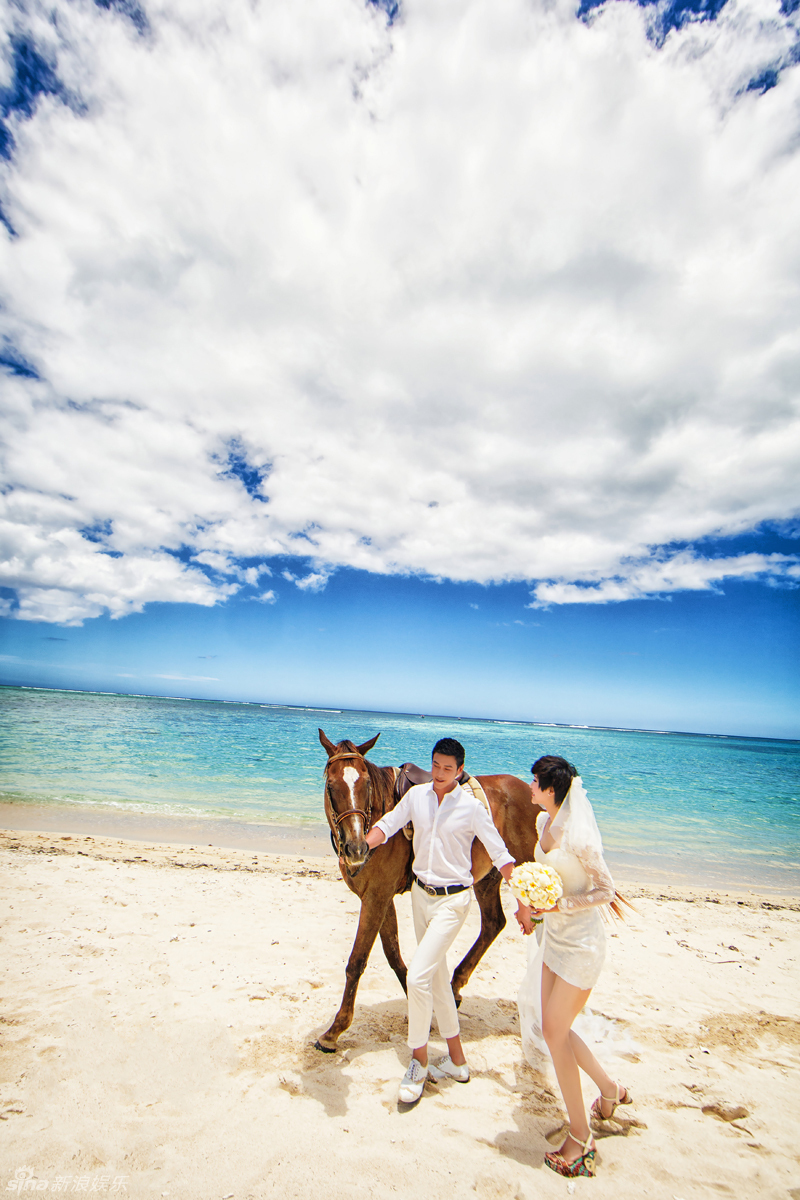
437 922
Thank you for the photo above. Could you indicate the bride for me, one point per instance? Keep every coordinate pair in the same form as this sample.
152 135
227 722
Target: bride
571 950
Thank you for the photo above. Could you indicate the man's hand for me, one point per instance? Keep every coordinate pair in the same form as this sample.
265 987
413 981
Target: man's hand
523 915
375 838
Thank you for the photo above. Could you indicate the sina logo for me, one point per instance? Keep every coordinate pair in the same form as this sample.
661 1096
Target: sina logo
24 1181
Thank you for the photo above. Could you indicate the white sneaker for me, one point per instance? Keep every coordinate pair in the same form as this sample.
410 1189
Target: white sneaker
447 1069
412 1083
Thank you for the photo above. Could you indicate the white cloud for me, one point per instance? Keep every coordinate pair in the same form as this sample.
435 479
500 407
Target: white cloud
251 575
59 576
660 577
314 582
491 294
223 564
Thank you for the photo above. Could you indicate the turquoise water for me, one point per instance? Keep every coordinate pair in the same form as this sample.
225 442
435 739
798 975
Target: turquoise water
711 810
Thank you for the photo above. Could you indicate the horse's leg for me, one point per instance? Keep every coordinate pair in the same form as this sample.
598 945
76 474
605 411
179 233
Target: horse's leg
371 918
493 920
391 945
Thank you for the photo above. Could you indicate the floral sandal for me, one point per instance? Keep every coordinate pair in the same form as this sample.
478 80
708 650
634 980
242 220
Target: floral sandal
584 1165
596 1111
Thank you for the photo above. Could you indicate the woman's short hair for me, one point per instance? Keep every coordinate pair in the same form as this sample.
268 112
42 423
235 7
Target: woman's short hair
451 748
554 772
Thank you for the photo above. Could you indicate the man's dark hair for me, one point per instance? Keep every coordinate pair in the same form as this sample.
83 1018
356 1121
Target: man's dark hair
556 773
451 747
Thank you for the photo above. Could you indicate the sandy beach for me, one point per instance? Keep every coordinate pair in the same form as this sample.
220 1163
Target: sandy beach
160 1005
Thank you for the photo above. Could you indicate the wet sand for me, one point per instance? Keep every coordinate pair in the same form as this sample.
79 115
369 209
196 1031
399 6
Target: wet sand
180 830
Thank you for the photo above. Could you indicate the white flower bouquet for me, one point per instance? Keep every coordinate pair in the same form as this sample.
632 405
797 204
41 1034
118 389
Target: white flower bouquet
536 885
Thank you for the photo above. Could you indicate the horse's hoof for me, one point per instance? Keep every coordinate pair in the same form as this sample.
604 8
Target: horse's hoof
458 1000
325 1049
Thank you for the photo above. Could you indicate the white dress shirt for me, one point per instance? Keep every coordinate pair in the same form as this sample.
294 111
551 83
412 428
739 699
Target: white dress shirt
443 833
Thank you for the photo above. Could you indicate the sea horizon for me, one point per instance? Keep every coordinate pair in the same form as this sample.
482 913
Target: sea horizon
430 716
707 809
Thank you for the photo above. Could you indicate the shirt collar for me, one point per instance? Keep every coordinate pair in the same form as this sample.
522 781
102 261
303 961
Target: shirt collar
454 793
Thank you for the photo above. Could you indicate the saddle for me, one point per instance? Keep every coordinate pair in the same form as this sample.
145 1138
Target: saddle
410 775
407 777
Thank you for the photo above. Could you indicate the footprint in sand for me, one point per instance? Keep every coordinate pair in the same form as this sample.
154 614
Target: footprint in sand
726 1112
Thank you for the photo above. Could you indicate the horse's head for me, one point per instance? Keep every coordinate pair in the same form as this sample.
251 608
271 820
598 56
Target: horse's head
349 798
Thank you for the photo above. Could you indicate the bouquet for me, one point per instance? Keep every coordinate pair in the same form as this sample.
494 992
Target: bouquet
536 885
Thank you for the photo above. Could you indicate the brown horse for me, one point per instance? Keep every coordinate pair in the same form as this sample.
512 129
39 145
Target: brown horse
357 793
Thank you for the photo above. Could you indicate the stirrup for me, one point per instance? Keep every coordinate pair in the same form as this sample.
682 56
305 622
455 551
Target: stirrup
584 1165
615 1101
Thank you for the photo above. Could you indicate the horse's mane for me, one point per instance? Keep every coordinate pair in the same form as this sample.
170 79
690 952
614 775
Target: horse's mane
380 778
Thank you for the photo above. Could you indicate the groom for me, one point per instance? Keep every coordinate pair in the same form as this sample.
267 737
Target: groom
446 820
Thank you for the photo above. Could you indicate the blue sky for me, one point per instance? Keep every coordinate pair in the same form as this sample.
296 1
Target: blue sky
420 356
711 662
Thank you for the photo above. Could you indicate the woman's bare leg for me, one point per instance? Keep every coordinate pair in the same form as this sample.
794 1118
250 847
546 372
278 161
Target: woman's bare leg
561 1003
588 1063
583 1055
606 1085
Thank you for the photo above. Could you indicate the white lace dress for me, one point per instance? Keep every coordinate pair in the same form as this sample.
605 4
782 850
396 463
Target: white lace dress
572 941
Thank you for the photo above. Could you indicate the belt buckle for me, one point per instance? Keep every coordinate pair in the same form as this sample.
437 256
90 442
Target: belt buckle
429 889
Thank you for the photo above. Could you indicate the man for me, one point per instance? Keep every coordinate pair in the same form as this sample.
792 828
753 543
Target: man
446 819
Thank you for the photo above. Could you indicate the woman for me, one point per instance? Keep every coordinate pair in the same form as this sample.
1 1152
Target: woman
571 950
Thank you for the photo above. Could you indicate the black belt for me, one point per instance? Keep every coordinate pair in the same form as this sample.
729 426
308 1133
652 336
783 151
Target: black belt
450 890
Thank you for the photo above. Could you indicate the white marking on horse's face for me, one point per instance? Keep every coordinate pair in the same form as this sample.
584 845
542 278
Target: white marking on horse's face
355 851
350 776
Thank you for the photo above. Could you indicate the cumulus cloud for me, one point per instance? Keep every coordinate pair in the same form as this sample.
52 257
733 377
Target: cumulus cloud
490 293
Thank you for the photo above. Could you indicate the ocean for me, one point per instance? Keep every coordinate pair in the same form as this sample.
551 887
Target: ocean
685 808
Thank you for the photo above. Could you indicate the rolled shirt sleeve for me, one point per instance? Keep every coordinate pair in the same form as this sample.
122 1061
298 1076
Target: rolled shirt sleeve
399 816
486 832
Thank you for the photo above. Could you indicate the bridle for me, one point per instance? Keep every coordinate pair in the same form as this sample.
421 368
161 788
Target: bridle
335 819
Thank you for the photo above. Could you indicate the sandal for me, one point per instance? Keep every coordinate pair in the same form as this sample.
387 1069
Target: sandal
584 1165
615 1101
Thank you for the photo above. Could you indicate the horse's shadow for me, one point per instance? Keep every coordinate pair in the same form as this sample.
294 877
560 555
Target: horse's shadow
380 1027
377 1027
537 1112
479 1016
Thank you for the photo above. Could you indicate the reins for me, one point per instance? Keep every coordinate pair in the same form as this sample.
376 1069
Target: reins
335 819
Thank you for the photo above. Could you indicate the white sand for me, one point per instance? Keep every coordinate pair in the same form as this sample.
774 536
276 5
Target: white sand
158 1023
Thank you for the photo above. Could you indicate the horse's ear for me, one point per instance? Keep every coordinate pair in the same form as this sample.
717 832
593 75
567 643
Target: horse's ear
327 744
365 746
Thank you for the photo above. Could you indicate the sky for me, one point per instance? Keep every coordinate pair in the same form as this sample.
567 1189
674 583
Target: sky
437 356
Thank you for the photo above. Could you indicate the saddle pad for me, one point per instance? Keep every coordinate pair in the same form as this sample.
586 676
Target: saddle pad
472 785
